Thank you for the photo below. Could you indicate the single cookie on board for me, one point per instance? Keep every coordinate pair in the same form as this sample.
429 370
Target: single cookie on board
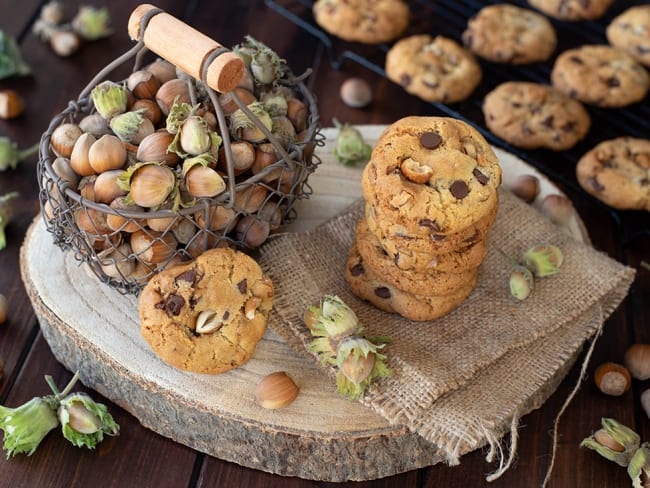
505 33
532 115
572 9
367 21
426 282
600 75
617 172
630 31
465 257
430 177
207 316
368 286
436 70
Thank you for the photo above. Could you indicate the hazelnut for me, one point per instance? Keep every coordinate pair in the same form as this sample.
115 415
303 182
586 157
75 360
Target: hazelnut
276 390
605 439
356 92
526 187
416 172
645 402
612 379
637 361
11 104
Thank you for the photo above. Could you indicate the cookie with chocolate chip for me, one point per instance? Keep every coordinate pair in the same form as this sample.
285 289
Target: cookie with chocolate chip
572 10
617 172
207 316
600 75
532 115
505 33
428 281
431 179
366 21
370 287
435 69
630 31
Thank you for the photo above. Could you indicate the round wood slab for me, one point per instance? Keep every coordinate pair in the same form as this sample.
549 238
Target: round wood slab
93 329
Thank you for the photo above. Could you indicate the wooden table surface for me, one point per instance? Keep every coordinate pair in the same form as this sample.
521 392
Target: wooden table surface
139 457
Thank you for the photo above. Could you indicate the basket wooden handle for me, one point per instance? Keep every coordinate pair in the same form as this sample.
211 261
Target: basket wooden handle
187 48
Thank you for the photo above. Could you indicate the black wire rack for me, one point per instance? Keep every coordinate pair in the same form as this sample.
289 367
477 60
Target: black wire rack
449 18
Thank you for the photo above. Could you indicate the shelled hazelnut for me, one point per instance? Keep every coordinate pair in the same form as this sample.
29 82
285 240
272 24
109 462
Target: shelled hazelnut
276 390
11 104
637 361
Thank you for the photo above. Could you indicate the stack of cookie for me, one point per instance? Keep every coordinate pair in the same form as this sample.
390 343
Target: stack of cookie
431 197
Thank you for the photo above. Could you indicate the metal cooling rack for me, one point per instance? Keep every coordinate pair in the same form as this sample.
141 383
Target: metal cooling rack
449 18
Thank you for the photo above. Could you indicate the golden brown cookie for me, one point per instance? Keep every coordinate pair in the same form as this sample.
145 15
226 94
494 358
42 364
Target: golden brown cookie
617 172
572 9
431 178
368 286
505 33
430 281
434 69
207 316
600 75
532 115
630 31
367 21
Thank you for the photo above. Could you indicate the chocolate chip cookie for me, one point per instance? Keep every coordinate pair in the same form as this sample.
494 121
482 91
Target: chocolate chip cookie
505 33
630 31
431 177
600 75
368 286
572 9
207 316
430 281
367 21
434 69
617 172
532 115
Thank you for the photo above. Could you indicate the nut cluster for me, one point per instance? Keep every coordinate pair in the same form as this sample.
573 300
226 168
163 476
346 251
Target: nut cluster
151 157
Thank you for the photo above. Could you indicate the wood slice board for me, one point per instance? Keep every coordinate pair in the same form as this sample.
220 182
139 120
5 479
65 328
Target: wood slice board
93 329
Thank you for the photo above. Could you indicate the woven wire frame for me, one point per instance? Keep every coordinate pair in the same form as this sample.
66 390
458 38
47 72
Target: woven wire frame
243 216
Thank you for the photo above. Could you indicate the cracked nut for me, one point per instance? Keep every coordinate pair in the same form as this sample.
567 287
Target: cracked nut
208 322
251 307
263 288
416 172
276 390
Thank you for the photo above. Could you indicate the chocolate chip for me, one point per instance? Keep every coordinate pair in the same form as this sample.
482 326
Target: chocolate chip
431 224
189 276
438 237
226 314
645 182
172 304
482 179
516 105
608 163
576 60
595 184
357 269
613 82
430 140
585 3
242 286
569 126
396 259
382 292
405 80
548 122
459 189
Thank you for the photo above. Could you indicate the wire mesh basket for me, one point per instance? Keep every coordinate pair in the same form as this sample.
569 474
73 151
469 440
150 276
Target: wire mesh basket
125 244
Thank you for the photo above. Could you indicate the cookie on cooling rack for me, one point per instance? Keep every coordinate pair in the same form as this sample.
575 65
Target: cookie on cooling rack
532 115
600 75
617 172
435 69
366 21
630 31
207 316
572 9
505 33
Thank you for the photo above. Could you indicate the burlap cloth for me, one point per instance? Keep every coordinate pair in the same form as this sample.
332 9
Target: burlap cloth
459 381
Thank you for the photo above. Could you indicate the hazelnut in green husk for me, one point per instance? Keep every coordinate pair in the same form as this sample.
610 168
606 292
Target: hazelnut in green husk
109 98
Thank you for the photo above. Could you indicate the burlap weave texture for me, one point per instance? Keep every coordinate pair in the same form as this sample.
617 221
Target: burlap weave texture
460 379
